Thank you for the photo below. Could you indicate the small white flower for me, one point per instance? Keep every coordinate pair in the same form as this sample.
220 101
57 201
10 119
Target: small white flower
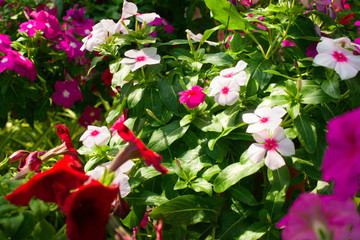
120 177
139 58
236 73
198 37
225 90
147 17
100 32
331 54
95 136
129 9
263 118
271 144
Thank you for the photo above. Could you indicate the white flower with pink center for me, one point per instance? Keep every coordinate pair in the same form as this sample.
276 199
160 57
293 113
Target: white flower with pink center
120 177
198 37
263 118
95 136
140 58
332 54
100 32
225 90
236 73
271 143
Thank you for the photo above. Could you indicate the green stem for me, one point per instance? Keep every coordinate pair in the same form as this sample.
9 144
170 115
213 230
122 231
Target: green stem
61 231
257 42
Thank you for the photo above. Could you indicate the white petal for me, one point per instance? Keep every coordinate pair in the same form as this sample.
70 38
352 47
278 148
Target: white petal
241 78
149 51
278 133
107 23
277 112
233 85
261 136
128 60
124 185
326 60
255 127
220 99
272 123
273 160
345 70
129 9
227 71
153 60
286 147
250 118
211 43
241 65
355 61
137 65
263 112
231 98
147 17
89 142
256 152
85 135
133 53
126 166
97 172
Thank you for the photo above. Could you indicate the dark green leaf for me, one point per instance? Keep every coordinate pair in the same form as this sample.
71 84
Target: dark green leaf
307 133
44 230
218 59
242 194
255 231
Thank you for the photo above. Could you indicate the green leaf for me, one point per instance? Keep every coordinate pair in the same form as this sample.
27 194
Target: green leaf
218 59
92 161
275 200
27 226
135 216
208 33
40 208
145 197
307 133
187 210
279 178
201 185
163 137
255 231
12 223
236 42
135 96
257 64
120 76
233 174
44 230
243 195
226 13
314 96
210 172
169 94
331 86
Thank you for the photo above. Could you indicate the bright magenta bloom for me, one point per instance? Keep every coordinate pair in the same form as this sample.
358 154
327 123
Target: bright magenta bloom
89 116
87 211
193 97
31 26
66 93
5 43
312 216
341 160
16 62
52 25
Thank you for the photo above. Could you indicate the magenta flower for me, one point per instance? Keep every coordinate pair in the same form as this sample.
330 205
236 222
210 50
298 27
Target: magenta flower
71 45
52 25
18 63
312 216
193 97
66 93
90 115
5 43
341 160
31 26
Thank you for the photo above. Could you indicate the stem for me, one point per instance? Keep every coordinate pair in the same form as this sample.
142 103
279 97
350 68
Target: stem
257 42
61 231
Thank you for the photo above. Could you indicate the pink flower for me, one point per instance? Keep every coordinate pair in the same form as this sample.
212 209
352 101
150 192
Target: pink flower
95 136
31 26
332 55
321 217
71 45
28 162
66 93
89 116
52 25
5 43
193 97
271 143
341 160
263 118
18 63
140 58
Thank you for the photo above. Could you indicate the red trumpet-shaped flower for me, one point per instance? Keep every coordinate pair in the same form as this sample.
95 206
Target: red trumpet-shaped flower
53 185
29 161
88 211
135 149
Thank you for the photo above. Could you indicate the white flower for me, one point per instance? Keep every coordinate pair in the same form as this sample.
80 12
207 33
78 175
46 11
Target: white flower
263 118
272 144
147 17
225 90
120 177
95 136
198 37
236 73
100 32
331 54
129 9
139 58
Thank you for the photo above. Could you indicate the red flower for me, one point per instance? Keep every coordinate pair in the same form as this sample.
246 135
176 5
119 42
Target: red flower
53 185
135 149
106 77
90 115
88 210
64 134
28 162
347 19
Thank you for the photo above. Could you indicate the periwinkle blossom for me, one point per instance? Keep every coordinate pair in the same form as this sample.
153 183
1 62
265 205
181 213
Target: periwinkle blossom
237 73
271 143
319 217
5 43
16 62
52 25
341 160
140 58
225 90
263 118
120 178
95 136
90 115
331 54
192 97
100 32
71 45
31 26
66 94
198 37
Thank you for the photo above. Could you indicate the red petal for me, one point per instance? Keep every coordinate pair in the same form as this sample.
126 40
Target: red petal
88 210
52 185
64 134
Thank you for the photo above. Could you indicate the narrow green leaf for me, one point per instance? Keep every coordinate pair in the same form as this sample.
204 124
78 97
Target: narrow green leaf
254 232
243 195
307 133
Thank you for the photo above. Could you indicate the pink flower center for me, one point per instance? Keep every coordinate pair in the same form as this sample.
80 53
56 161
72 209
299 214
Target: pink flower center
229 75
225 90
192 93
340 57
140 58
94 133
271 144
264 120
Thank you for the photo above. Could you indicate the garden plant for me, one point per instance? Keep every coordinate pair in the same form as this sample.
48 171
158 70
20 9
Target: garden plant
161 119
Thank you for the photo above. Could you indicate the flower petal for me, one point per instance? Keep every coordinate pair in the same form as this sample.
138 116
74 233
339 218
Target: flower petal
256 152
273 160
286 147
